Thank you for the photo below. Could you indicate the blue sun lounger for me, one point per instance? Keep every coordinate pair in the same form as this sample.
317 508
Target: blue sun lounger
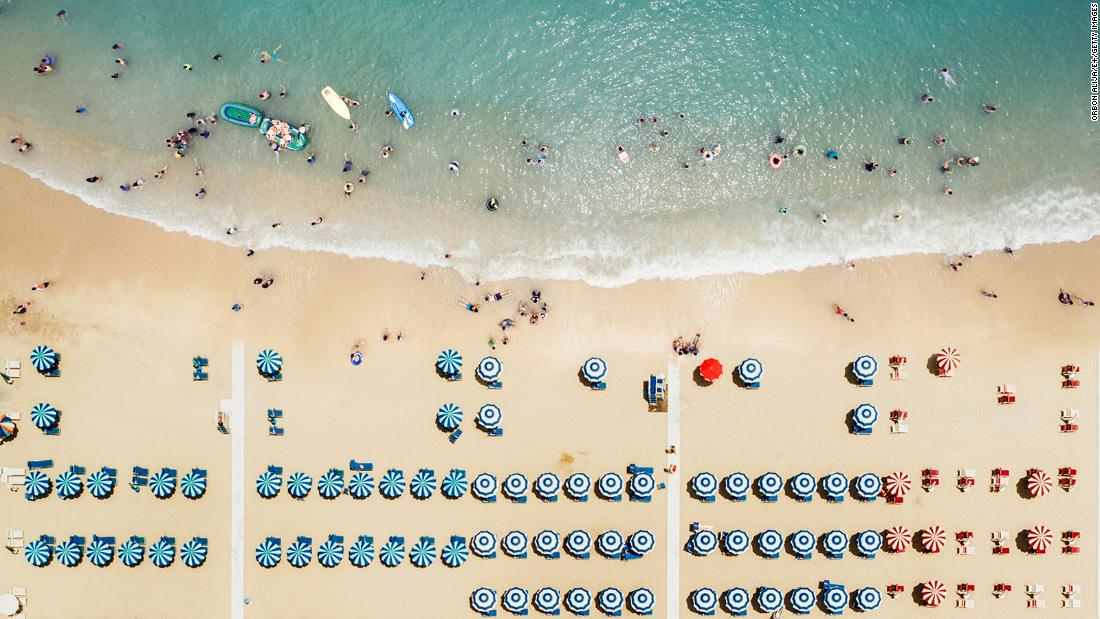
454 436
360 466
39 464
276 431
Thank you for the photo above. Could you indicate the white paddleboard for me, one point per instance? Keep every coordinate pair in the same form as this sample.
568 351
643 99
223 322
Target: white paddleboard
332 98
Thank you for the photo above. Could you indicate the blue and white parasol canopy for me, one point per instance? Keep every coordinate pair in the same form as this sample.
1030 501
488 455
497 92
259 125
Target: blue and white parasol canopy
835 542
547 486
484 544
454 484
449 362
361 485
769 599
641 485
578 544
703 542
101 551
750 371
868 486
641 542
101 483
514 544
489 417
193 484
269 362
546 543
361 552
802 542
802 600
449 416
455 553
868 599
422 485
38 552
594 369
769 484
69 485
193 552
488 369
610 486
43 358
422 553
268 484
868 543
736 485
865 367
641 601
578 601
735 542
299 484
69 552
515 600
131 552
704 601
330 484
770 542
515 486
44 415
610 544
163 552
704 485
548 601
835 598
163 483
482 601
577 486
36 484
864 416
610 601
835 485
392 484
300 552
736 601
269 552
803 486
331 551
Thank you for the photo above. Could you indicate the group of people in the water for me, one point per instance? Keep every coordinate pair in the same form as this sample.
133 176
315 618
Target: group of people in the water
541 158
45 65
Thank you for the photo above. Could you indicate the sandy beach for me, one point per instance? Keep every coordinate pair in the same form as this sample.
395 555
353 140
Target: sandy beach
129 305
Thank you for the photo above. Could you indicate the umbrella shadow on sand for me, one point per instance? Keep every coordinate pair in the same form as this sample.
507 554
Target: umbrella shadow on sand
916 595
1021 542
850 374
932 366
1021 488
697 376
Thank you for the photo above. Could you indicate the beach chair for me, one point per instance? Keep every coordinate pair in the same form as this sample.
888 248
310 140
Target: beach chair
273 414
1071 550
360 466
1036 603
276 431
1070 590
76 468
1070 370
496 432
655 390
15 540
860 431
1068 428
1071 383
1001 550
1068 414
13 368
598 386
39 464
274 378
221 420
1034 589
14 415
200 362
1071 603
454 436
199 375
964 603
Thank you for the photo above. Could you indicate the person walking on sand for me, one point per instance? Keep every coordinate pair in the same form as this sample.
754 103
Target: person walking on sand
841 312
989 294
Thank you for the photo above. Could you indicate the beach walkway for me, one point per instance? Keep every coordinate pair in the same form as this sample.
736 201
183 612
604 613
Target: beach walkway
235 407
672 533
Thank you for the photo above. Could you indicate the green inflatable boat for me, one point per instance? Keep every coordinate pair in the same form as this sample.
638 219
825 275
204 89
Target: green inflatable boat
279 132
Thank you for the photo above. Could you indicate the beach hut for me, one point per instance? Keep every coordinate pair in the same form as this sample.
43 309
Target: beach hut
864 418
193 552
163 552
101 483
489 418
834 543
868 486
933 592
898 485
455 553
737 486
702 542
769 599
641 484
449 363
947 361
594 371
269 363
70 552
69 485
736 601
484 544
868 543
454 484
44 416
39 552
547 487
578 544
610 601
579 601
735 542
641 601
132 551
802 600
1039 483
361 485
864 368
422 485
897 538
448 417
546 544
299 484
703 601
392 484
710 370
802 544
392 552
769 485
484 487
1039 538
769 543
704 485
835 486
270 482
515 487
361 552
835 598
101 551
514 544
933 538
488 370
548 601
422 553
7 428
750 371
269 552
300 552
331 551
610 544
577 486
641 542
868 599
193 484
36 484
610 486
515 600
45 360
482 601
803 486
163 483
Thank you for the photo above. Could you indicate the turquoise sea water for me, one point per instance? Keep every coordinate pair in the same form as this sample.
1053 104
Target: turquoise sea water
844 75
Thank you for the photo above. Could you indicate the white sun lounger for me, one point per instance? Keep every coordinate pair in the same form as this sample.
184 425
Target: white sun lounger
12 368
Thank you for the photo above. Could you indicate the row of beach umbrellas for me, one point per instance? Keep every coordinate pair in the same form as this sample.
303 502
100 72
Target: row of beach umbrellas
736 601
102 551
101 484
749 371
449 417
549 601
737 486
449 364
770 543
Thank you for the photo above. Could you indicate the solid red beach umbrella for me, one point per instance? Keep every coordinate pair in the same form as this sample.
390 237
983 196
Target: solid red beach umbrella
1039 483
898 484
933 538
947 360
933 592
1039 538
710 369
897 538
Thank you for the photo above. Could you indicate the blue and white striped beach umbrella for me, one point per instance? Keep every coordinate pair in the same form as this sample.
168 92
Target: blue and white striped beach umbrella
641 485
455 553
868 599
515 600
163 552
193 552
515 486
610 544
735 542
865 367
300 552
131 552
610 601
44 415
769 599
449 416
547 486
163 483
641 601
803 542
489 417
101 551
803 486
750 371
361 552
704 601
548 601
268 484
36 484
835 542
392 552
69 553
454 484
864 416
514 544
449 362
488 369
594 369
736 601
392 484
835 485
331 551
482 601
193 484
422 485
770 542
38 552
299 484
69 485
330 484
703 542
269 552
704 485
868 485
269 362
546 543
769 484
641 542
101 483
577 486
610 486
578 544
835 598
579 601
43 358
361 485
868 543
736 486
484 544
802 600
422 553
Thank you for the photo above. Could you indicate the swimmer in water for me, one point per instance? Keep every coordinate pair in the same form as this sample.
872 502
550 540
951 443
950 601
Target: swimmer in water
455 113
654 148
354 126
641 121
311 158
347 163
524 143
363 176
946 167
681 115
905 141
119 60
453 166
892 172
266 57
544 149
348 188
782 210
989 108
927 98
947 79
939 140
947 191
217 57
282 90
663 133
265 95
870 166
823 218
60 16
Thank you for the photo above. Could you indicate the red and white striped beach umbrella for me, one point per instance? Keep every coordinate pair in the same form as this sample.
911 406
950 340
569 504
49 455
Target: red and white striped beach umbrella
933 592
948 359
1039 483
1039 538
898 484
933 538
897 538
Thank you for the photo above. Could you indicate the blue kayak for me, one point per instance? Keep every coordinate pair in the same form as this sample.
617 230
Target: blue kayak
400 110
